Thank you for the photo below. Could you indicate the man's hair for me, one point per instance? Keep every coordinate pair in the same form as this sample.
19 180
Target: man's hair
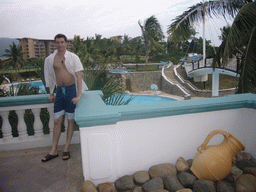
60 36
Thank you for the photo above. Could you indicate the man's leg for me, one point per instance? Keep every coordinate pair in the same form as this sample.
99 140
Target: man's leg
56 136
70 131
70 93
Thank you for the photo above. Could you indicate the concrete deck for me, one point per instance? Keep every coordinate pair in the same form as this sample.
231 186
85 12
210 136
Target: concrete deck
23 170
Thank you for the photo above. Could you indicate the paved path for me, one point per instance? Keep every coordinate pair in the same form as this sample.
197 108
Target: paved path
23 171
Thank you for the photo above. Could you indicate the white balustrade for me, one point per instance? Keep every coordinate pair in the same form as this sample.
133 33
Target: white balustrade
6 127
51 118
8 141
22 128
38 125
23 141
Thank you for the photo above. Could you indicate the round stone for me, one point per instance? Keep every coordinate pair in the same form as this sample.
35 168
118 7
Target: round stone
106 187
162 170
245 183
141 177
203 186
88 186
181 165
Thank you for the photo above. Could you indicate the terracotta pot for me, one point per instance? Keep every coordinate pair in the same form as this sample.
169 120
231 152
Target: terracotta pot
214 162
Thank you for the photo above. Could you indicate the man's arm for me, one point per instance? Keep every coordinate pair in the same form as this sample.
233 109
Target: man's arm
79 87
51 97
48 79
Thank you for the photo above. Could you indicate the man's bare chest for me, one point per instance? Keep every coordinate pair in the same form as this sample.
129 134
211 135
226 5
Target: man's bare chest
59 64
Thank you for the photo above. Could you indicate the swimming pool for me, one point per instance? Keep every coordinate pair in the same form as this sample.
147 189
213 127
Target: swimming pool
119 70
136 99
140 99
38 84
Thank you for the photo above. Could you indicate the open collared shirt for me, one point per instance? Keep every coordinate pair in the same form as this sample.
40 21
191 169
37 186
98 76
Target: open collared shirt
72 63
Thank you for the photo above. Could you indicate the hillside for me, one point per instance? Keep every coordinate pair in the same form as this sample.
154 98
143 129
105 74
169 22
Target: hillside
4 44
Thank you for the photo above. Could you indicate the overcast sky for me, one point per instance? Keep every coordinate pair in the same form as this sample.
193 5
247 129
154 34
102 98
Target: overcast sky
43 19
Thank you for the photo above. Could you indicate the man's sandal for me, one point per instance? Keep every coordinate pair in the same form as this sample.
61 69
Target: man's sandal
49 157
66 155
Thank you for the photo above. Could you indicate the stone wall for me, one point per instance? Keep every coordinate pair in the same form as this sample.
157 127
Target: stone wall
209 93
171 89
141 81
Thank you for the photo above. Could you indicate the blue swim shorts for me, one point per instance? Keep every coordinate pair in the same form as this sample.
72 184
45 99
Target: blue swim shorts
63 103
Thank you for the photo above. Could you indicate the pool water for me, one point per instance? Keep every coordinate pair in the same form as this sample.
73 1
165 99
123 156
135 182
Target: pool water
136 99
119 70
38 84
140 99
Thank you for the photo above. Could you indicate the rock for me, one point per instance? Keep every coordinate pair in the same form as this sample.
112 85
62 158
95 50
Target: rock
243 155
153 184
245 163
250 170
186 179
141 177
234 174
204 185
106 187
223 186
172 183
181 165
159 190
189 161
137 189
162 170
125 183
245 183
88 186
184 190
244 159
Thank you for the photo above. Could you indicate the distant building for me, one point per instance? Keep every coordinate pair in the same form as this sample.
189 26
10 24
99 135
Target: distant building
117 38
37 48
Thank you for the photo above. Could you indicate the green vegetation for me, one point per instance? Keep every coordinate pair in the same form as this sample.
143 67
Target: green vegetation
15 58
238 40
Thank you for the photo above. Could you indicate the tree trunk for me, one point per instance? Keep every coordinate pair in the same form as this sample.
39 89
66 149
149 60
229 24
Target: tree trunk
146 48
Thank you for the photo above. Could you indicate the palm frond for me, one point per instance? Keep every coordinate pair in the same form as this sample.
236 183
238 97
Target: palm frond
241 29
247 82
194 14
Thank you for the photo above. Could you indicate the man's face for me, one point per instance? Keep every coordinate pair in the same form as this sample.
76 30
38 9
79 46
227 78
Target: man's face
61 44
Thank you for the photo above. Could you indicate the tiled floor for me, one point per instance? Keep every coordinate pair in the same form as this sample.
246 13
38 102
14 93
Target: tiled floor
23 170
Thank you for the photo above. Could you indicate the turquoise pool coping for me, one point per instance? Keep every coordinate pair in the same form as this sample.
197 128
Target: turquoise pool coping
92 111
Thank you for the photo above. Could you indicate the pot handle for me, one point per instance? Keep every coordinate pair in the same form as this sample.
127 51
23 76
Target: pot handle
208 138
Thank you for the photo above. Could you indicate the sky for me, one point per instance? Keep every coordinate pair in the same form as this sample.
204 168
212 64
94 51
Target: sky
43 19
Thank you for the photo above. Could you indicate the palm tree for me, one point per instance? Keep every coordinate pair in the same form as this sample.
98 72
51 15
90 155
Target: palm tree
126 46
78 43
88 53
152 34
180 37
15 57
136 47
241 34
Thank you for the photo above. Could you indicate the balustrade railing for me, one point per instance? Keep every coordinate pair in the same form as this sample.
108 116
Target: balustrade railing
20 104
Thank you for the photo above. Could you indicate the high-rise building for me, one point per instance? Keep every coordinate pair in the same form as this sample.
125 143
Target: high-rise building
37 48
117 38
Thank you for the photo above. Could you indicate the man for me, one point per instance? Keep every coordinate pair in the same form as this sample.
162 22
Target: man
64 70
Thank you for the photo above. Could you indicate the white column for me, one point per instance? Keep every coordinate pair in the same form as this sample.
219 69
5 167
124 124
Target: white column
22 127
51 118
215 84
38 125
6 127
